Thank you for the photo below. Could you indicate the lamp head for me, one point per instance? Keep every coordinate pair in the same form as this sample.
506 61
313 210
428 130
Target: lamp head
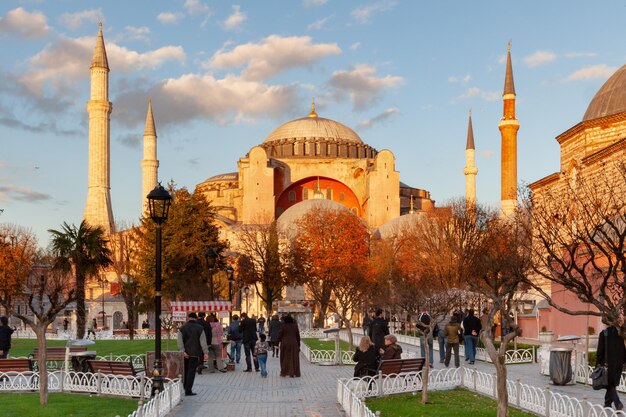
159 201
230 273
211 256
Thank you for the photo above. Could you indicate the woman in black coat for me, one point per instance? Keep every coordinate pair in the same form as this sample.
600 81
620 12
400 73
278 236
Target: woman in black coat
611 352
366 358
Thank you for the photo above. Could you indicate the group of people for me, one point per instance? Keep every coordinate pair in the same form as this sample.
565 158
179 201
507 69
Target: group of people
200 340
378 345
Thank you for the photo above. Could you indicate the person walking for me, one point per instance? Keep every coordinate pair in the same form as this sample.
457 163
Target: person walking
207 334
611 352
261 349
66 324
5 337
441 338
91 328
378 330
392 349
471 330
366 358
367 320
261 324
215 348
192 342
452 332
247 327
289 340
234 335
273 331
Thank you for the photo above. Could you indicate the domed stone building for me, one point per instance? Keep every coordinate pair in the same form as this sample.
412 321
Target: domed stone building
595 148
312 158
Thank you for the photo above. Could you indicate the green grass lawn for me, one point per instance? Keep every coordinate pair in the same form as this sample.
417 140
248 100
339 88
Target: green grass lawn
444 403
314 343
23 347
65 405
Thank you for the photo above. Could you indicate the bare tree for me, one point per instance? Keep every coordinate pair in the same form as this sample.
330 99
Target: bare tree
47 291
579 241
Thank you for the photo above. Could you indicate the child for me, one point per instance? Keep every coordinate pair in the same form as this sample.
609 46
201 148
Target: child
260 352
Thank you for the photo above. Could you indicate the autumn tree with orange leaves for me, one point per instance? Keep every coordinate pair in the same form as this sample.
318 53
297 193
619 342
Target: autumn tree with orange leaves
330 255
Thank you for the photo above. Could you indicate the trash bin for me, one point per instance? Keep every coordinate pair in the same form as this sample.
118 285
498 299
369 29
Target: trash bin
560 365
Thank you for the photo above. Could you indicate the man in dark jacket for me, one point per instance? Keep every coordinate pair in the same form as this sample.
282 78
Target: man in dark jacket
378 330
207 332
192 342
611 352
471 330
247 327
5 337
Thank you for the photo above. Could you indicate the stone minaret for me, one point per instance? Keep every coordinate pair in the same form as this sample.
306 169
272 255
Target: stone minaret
509 125
98 210
470 170
150 163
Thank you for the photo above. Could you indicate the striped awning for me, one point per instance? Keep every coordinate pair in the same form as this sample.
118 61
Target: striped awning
201 305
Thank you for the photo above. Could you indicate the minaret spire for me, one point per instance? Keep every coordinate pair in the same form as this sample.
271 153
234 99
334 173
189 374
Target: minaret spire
98 211
509 125
470 170
313 114
150 163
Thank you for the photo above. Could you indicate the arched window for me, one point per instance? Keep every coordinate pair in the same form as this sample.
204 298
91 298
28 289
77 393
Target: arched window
292 196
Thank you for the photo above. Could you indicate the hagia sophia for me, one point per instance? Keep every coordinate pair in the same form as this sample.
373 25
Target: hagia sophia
315 158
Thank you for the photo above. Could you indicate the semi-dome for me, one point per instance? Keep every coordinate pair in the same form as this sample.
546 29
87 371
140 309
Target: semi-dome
288 221
610 98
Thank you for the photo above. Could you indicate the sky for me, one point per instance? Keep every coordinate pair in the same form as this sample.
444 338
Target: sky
223 75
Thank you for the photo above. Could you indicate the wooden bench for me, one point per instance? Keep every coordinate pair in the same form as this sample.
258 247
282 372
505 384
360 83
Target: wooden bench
397 366
56 353
14 366
112 368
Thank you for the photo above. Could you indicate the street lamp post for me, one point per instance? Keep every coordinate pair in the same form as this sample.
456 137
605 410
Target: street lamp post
211 256
102 282
230 272
159 201
246 291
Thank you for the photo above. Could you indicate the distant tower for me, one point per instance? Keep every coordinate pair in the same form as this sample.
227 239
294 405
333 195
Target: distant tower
509 125
470 170
150 163
98 210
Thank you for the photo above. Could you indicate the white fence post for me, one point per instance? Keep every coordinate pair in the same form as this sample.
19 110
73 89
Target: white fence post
99 383
380 383
548 401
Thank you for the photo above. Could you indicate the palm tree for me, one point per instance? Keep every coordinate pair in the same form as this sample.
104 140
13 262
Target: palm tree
85 250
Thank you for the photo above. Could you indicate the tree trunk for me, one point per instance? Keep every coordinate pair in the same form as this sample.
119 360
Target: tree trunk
350 338
131 322
80 306
40 331
503 394
426 368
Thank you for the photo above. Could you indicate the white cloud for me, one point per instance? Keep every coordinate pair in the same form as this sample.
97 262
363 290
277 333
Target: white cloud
365 13
197 7
487 153
580 55
137 33
314 3
15 192
475 92
272 56
593 72
380 118
464 79
59 64
539 58
18 22
502 59
168 18
355 46
361 85
74 21
235 20
194 96
319 24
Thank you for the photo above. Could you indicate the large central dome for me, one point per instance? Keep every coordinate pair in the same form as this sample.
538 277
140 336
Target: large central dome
610 98
314 127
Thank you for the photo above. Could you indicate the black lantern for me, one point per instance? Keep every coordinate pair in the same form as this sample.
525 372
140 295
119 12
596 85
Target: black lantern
159 201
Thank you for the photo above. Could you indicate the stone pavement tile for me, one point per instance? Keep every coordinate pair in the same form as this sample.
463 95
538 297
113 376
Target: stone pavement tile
244 394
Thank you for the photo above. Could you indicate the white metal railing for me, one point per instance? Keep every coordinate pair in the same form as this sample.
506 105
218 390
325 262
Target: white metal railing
543 402
113 385
140 334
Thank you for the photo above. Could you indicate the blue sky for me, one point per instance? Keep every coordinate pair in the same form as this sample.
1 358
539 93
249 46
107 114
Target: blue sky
222 75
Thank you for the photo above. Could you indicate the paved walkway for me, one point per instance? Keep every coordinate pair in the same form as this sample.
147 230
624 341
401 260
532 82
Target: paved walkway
244 394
